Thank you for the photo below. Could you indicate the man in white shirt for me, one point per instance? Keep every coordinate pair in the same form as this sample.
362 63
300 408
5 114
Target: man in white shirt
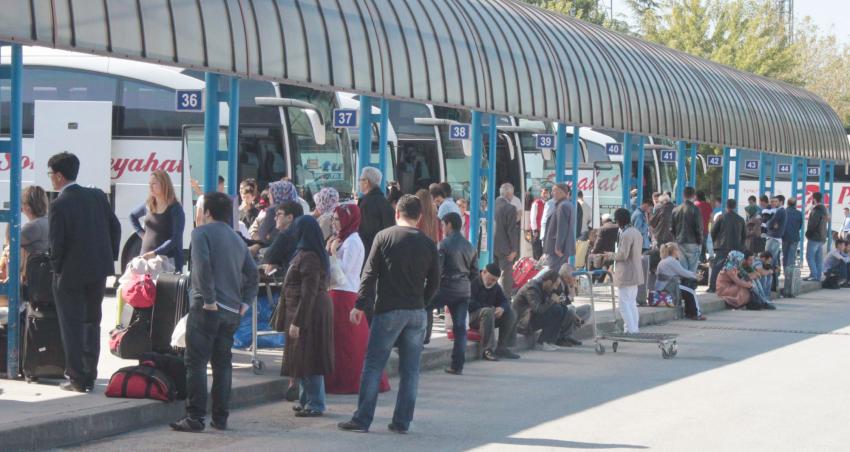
845 231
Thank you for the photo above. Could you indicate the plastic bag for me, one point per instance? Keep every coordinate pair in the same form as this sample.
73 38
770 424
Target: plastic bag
178 337
242 335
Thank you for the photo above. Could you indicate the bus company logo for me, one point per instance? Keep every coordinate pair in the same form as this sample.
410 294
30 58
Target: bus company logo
586 183
26 163
127 165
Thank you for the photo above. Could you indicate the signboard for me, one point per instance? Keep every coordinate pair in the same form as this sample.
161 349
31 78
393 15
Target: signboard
614 149
751 165
545 141
714 160
190 100
813 171
668 156
345 118
783 168
459 131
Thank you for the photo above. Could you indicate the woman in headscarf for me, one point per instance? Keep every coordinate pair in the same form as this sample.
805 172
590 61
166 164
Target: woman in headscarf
732 286
279 192
350 340
327 199
429 223
307 318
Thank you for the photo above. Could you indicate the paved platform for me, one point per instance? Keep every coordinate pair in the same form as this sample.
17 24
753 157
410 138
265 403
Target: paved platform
37 416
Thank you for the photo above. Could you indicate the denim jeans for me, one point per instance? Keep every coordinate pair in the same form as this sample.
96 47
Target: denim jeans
717 263
312 393
459 309
690 255
763 285
814 256
549 323
407 327
789 253
774 247
209 337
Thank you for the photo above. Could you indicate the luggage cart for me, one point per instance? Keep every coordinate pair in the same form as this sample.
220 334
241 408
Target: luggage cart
257 364
667 343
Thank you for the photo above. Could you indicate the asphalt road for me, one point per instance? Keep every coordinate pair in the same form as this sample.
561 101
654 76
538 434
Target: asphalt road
754 381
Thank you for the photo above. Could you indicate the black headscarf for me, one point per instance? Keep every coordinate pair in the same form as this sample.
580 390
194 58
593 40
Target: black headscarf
308 233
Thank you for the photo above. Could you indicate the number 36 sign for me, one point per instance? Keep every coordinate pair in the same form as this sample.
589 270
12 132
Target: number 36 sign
190 100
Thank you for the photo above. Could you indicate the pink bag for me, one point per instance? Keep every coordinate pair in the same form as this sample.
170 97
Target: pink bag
141 293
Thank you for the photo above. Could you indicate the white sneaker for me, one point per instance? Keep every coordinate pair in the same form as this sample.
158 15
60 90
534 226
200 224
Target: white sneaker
547 347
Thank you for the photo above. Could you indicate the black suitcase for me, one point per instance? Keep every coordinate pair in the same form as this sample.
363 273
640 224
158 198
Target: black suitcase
172 303
43 355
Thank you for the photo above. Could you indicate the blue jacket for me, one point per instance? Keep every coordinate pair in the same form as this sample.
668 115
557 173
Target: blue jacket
793 225
641 224
776 225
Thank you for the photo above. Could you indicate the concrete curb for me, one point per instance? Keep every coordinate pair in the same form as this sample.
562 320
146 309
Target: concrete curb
92 424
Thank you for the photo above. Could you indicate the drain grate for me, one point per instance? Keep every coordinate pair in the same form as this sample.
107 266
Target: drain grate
767 330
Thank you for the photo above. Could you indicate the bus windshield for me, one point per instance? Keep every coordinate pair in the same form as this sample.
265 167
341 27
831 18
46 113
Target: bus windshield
317 166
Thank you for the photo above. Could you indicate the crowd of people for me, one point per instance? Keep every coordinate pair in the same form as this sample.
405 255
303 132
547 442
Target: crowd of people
361 277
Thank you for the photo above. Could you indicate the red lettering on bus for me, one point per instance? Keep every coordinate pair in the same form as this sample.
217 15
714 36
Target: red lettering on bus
26 163
123 165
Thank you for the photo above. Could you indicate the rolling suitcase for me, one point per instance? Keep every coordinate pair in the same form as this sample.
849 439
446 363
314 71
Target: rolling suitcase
793 281
643 292
524 271
172 303
43 355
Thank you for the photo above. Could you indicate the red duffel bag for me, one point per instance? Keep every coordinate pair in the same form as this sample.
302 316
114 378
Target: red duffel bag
524 271
141 294
141 382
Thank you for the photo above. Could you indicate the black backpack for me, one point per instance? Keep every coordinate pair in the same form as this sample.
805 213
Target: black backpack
39 280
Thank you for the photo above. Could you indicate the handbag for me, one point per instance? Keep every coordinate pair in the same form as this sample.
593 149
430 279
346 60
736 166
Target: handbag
338 278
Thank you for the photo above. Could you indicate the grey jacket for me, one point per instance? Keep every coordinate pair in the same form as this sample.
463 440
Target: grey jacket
729 233
458 266
559 235
628 269
687 223
505 228
661 224
223 271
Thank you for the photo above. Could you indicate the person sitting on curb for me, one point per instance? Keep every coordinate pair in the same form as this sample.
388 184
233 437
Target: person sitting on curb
836 263
490 309
576 316
536 311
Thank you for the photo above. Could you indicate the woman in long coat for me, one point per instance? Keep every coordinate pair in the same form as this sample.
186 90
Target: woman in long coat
731 287
308 318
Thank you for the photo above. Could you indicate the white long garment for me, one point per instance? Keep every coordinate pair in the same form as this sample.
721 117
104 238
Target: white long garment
629 309
351 255
548 210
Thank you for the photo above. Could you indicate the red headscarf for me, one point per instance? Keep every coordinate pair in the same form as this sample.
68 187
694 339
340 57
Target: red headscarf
349 220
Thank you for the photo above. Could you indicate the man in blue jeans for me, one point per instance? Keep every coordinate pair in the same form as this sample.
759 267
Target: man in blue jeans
404 265
816 231
687 229
224 281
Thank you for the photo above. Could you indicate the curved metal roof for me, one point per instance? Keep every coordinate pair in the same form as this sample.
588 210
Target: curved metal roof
499 56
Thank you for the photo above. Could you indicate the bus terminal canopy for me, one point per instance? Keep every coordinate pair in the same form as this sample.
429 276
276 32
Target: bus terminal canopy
497 56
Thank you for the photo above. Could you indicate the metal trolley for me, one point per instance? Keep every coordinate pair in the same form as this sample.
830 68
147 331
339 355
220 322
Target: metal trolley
667 343
257 364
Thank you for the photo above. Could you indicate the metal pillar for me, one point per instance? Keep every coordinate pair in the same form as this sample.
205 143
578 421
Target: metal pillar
692 177
795 192
491 183
640 164
822 178
627 170
762 166
724 177
831 168
211 118
13 216
561 155
364 153
475 180
680 173
233 138
804 168
737 188
383 122
575 174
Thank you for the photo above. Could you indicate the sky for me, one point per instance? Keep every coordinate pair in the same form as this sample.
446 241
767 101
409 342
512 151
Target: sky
829 15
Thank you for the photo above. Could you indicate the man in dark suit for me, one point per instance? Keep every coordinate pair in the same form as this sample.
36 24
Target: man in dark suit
84 240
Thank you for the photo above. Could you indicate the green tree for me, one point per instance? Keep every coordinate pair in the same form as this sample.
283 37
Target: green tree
586 10
825 67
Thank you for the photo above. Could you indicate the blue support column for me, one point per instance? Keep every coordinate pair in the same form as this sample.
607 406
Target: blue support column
794 177
491 183
640 165
364 152
762 166
680 172
822 177
724 176
233 138
692 178
13 215
475 180
211 123
831 168
576 153
737 188
804 168
772 163
627 170
384 122
561 155
795 193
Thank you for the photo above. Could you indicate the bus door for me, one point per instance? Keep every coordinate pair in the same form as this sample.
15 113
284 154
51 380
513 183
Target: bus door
507 161
417 165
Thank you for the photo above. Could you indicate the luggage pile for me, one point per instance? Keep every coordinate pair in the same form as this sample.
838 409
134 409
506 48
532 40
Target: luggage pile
157 376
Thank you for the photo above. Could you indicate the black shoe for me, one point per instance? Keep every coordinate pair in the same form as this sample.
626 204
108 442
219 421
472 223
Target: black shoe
297 408
292 393
72 386
711 290
351 426
90 386
769 306
489 356
568 342
219 425
449 370
395 428
187 424
308 412
505 353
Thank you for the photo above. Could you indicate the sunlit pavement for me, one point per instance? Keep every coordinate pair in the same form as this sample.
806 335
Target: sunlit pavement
742 381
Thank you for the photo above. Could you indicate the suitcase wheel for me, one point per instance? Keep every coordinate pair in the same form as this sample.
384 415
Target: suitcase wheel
258 366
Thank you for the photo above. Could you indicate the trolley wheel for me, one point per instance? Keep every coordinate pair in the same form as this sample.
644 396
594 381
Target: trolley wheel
673 350
614 346
600 349
258 366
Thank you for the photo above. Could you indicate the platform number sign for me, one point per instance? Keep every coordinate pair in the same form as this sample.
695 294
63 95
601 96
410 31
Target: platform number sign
545 141
668 156
190 100
715 160
783 168
614 149
345 118
813 171
459 131
751 165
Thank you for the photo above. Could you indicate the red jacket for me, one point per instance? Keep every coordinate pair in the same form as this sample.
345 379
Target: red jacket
705 209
